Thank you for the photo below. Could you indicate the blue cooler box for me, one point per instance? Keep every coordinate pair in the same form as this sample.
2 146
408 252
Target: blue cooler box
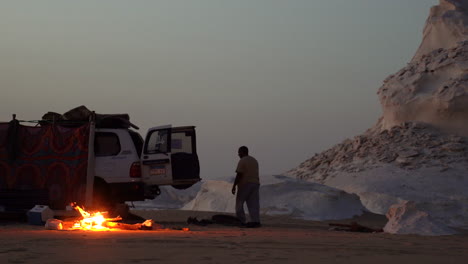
39 214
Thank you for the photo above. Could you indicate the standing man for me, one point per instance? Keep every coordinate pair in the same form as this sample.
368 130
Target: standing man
248 186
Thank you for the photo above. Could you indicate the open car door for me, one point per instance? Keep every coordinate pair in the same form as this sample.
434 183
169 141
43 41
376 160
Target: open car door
170 157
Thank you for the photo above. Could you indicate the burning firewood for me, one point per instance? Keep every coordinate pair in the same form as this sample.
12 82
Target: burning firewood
97 221
147 225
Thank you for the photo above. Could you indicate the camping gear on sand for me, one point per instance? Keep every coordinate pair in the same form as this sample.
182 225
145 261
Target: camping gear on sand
39 214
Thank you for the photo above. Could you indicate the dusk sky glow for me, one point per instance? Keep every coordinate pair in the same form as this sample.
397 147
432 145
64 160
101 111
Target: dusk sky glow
286 78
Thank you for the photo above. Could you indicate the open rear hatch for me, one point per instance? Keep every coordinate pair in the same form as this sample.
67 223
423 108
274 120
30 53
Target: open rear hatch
169 157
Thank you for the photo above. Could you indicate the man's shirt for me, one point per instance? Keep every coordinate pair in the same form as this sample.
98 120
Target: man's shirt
248 166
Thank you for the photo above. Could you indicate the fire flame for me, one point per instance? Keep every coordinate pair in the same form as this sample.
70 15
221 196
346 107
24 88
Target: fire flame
96 221
90 221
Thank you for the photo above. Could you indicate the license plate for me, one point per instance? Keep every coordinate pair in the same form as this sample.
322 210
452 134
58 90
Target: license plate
159 170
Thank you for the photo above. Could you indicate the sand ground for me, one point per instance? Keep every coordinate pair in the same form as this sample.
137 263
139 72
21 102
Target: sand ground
280 240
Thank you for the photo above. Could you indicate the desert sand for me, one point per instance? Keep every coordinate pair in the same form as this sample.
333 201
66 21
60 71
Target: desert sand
280 240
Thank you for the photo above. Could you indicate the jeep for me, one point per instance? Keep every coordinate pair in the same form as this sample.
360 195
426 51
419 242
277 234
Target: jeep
128 168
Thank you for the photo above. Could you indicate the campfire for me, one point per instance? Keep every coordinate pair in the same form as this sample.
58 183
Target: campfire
96 221
92 220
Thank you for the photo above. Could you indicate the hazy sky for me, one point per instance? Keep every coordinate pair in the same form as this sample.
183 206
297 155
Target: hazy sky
287 78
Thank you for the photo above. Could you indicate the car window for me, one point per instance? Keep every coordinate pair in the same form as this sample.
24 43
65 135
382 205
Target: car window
181 142
106 144
158 142
137 141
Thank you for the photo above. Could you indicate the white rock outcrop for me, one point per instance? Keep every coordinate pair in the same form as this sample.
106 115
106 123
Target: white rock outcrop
409 147
418 150
170 198
446 26
291 198
407 218
310 201
433 87
214 196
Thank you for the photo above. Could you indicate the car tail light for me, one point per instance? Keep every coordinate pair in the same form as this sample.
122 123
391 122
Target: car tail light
135 170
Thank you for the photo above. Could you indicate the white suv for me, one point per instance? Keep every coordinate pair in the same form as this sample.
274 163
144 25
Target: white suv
130 169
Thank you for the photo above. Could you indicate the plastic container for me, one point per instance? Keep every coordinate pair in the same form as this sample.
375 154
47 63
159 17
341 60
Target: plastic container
54 224
39 214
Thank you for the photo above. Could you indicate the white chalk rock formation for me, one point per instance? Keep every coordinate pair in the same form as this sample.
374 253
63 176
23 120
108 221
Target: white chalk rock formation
310 201
418 150
407 218
170 198
292 198
433 88
214 196
446 26
410 162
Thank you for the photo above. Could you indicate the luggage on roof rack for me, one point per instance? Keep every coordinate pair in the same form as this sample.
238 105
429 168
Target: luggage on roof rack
81 114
